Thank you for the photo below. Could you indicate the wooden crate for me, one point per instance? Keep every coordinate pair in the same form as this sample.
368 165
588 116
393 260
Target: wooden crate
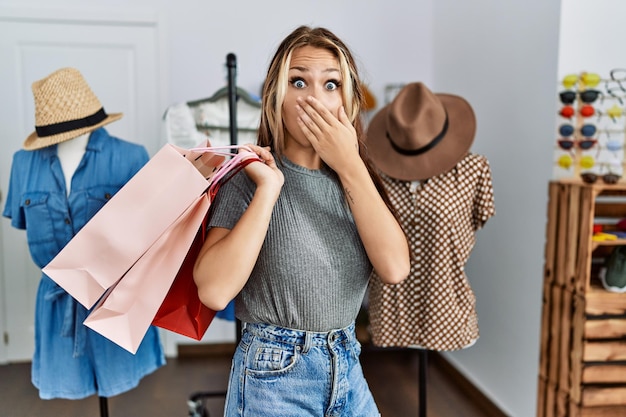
576 410
582 368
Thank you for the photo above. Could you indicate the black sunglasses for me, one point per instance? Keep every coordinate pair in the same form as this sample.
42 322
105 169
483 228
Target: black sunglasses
586 96
591 178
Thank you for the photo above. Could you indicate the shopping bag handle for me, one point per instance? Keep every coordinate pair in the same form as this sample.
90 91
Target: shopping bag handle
229 168
220 150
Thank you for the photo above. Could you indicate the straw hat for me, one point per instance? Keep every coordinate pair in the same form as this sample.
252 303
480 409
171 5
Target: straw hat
65 108
420 134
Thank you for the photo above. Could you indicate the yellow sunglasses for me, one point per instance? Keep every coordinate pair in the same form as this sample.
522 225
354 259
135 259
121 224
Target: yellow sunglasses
587 79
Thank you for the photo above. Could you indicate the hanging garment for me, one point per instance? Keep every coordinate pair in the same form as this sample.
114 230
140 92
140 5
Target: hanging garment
434 308
70 360
188 124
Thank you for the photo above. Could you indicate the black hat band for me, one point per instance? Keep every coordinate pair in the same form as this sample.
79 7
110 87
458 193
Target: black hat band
62 127
425 148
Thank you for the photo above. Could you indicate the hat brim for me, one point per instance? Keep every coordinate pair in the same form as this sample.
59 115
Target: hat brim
441 158
34 142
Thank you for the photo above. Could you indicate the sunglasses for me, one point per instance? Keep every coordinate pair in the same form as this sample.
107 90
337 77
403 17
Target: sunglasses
614 112
587 79
587 96
566 161
616 92
614 145
584 144
586 110
586 130
618 74
591 178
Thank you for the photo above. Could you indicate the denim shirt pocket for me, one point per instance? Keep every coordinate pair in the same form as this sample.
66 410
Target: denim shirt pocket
38 218
98 196
39 227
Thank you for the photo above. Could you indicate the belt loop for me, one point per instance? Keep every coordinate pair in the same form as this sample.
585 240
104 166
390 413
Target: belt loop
307 342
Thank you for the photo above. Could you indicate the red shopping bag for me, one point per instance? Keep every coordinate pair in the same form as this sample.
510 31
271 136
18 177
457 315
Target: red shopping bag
182 311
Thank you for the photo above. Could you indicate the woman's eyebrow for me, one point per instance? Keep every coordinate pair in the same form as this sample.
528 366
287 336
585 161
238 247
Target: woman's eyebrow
305 69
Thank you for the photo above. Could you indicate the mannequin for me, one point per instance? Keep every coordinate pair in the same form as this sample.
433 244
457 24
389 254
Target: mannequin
67 170
442 194
70 154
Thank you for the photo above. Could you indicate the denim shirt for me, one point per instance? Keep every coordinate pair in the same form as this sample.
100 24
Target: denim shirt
38 202
37 199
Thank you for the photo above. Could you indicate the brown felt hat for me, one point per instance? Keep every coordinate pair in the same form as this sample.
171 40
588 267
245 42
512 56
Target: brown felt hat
65 108
420 134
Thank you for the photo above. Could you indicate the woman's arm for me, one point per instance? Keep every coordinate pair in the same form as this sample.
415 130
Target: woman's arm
382 236
335 141
228 256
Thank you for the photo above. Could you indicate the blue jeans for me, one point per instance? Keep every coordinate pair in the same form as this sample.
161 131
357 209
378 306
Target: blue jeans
280 372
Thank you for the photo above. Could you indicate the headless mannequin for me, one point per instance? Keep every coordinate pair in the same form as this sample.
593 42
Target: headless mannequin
70 153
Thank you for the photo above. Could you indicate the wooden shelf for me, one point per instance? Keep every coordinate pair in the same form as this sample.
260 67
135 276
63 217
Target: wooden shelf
599 301
618 242
582 368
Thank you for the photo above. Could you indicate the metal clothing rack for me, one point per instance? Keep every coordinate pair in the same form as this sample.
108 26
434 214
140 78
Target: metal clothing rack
196 407
231 63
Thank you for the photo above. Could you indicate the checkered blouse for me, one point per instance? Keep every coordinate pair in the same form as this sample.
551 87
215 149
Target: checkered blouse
434 308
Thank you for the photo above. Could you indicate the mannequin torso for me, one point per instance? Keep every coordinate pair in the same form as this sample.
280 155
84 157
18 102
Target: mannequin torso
70 154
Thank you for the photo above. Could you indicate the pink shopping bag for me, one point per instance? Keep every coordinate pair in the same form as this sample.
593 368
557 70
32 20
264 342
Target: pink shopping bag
125 313
182 311
116 237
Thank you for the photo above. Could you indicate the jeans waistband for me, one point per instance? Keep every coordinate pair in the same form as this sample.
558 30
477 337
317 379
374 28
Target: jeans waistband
301 337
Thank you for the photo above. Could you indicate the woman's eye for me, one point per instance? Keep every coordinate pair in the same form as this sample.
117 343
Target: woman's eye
298 83
332 85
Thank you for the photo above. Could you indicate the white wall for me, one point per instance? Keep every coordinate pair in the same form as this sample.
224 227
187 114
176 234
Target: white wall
197 35
502 56
590 37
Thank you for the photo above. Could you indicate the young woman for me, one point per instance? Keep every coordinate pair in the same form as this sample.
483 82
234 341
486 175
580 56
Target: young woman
296 236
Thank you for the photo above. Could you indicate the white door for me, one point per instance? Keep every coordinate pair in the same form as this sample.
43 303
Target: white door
118 56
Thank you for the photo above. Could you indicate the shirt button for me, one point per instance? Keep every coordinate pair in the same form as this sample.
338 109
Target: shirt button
67 221
27 202
107 196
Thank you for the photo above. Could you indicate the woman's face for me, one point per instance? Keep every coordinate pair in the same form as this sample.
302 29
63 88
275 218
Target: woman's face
313 72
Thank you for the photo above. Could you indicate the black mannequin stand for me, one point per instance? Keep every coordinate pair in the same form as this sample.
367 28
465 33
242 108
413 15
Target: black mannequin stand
104 407
423 371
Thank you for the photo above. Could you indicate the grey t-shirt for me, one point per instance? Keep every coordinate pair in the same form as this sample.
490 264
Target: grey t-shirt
312 271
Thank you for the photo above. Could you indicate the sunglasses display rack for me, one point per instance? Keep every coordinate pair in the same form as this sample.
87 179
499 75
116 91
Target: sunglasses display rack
590 136
582 367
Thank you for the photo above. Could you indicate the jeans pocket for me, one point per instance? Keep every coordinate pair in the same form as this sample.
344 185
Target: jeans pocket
271 358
